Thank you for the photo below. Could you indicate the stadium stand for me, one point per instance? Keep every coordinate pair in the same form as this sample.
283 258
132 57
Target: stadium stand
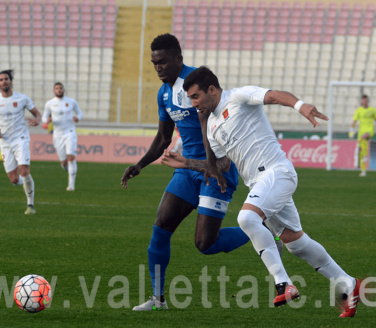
297 47
71 42
94 48
126 69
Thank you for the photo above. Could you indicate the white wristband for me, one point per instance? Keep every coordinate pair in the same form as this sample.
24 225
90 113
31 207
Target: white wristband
299 104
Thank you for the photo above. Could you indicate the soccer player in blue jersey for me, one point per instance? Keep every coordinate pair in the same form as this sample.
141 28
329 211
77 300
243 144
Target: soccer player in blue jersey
187 189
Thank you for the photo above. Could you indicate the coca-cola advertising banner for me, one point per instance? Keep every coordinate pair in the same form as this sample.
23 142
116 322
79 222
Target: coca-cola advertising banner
313 153
302 153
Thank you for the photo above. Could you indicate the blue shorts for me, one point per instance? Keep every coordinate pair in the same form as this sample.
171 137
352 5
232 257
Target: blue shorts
190 185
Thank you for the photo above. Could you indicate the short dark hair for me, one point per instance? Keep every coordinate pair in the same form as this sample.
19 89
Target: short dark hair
9 72
59 83
166 42
203 77
364 96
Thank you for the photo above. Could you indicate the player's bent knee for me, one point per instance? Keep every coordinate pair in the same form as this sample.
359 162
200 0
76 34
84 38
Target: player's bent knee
14 179
247 219
289 236
24 170
203 245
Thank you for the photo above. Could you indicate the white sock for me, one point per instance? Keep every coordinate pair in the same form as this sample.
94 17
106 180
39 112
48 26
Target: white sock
263 242
20 181
316 255
28 183
72 171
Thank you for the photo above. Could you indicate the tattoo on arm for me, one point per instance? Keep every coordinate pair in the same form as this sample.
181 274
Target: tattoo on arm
196 165
223 164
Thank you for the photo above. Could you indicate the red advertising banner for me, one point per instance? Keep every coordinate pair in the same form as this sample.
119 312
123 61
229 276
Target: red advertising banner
313 153
107 149
103 149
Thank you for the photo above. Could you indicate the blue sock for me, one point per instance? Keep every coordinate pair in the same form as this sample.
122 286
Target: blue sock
159 254
228 240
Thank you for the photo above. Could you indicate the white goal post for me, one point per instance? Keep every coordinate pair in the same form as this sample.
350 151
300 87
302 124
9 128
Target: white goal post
330 123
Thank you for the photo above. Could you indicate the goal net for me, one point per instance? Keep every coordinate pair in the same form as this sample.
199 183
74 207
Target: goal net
344 99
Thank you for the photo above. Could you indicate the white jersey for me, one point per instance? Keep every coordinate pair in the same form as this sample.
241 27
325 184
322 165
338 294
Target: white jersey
12 121
61 111
240 130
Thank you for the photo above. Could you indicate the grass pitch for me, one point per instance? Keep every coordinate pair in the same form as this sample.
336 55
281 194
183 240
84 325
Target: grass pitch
100 231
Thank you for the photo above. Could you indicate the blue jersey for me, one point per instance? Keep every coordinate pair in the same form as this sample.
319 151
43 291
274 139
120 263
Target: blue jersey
174 104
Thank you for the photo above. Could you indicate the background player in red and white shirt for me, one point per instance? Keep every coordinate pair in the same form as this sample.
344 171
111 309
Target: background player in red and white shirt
59 110
238 130
179 143
14 136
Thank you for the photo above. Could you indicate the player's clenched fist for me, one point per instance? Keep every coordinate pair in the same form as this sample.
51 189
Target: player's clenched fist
130 172
172 159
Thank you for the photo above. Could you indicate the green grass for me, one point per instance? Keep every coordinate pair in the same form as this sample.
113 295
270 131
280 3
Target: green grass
103 230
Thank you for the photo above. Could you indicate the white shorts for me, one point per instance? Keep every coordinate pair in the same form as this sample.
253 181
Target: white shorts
273 195
16 154
65 144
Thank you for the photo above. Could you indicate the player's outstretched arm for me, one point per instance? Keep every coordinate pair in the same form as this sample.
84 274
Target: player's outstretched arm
178 161
34 121
212 168
161 141
287 99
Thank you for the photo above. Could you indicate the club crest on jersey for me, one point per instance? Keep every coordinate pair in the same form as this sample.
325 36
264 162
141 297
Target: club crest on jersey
66 104
180 97
15 104
225 113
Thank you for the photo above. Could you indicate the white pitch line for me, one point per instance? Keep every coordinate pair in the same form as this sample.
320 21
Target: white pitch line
65 204
338 214
96 205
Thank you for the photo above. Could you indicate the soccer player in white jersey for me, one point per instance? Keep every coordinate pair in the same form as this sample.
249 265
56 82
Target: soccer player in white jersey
60 110
238 129
14 136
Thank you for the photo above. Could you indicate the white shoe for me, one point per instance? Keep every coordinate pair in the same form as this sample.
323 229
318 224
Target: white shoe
363 174
64 167
152 305
30 209
70 188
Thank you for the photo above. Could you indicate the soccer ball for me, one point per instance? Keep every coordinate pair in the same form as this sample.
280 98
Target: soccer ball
32 293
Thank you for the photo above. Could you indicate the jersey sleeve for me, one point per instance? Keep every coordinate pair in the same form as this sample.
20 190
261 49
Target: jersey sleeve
162 112
46 113
77 110
356 115
250 95
29 104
